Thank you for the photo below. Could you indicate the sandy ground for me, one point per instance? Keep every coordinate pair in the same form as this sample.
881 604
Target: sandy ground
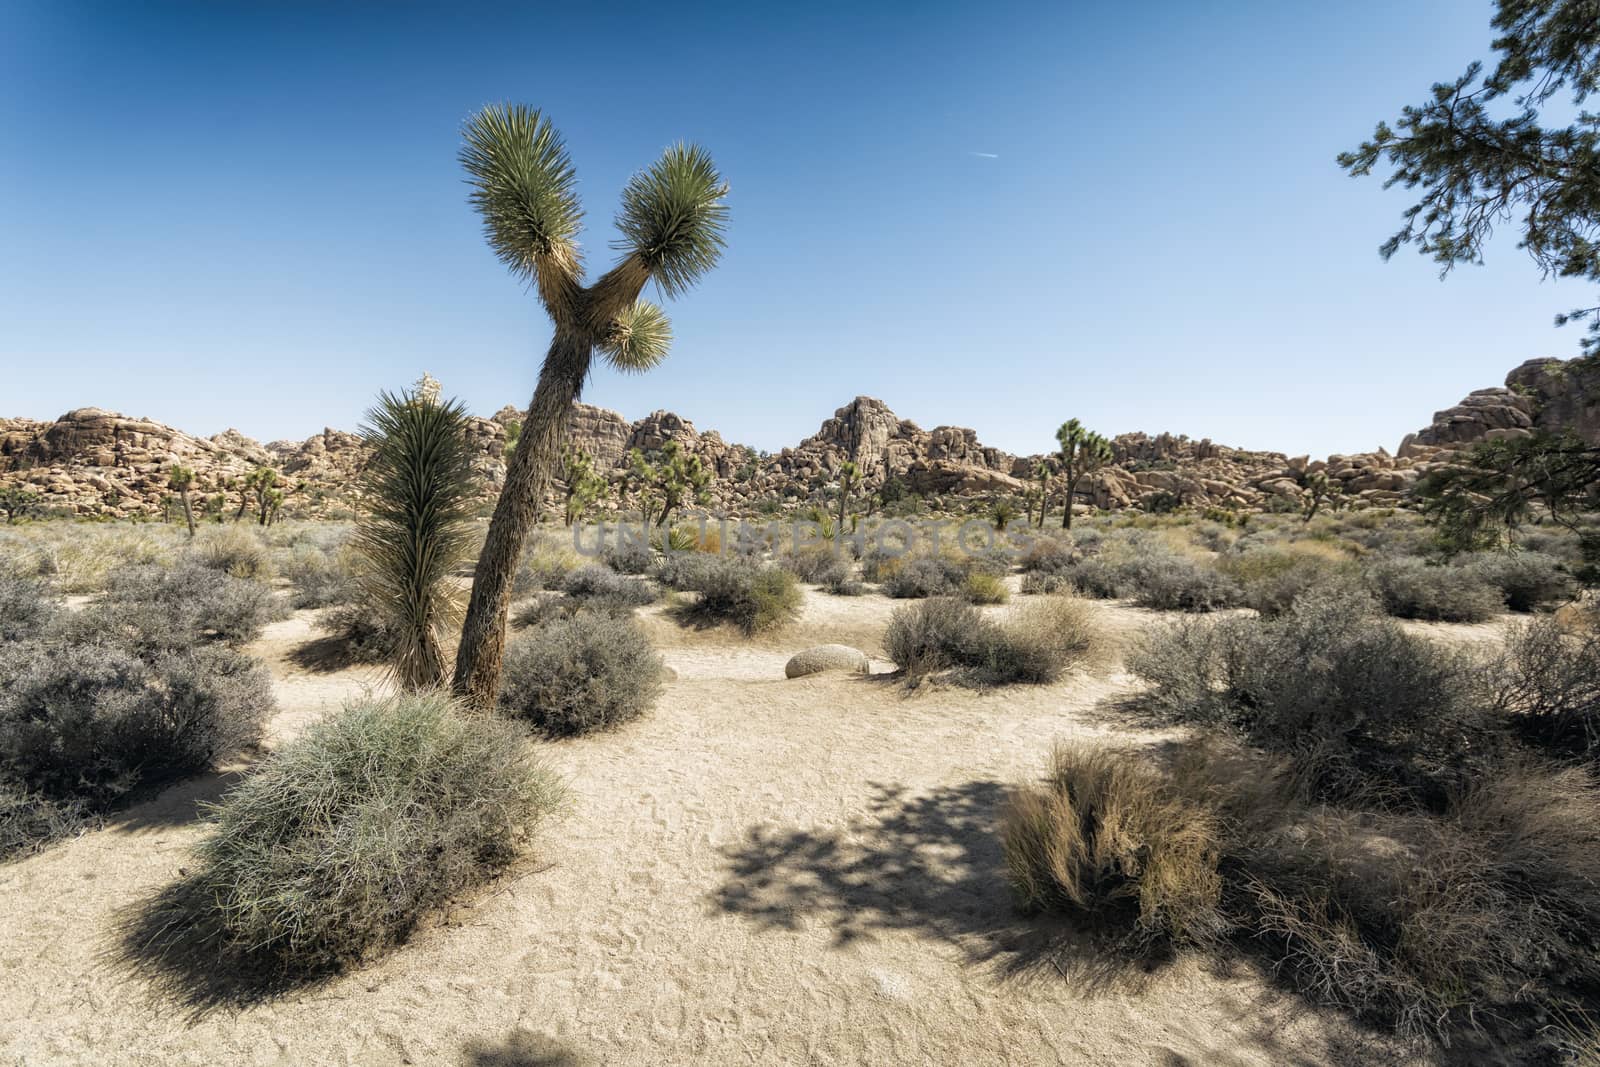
762 871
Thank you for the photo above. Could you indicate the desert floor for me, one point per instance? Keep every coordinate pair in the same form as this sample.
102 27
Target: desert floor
761 871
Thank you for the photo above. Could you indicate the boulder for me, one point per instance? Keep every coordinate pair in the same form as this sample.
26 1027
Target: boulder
827 658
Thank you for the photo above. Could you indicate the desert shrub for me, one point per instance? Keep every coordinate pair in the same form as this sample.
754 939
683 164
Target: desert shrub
980 588
684 570
27 607
1100 578
1110 839
319 577
587 672
29 821
925 576
174 607
839 578
1362 707
627 554
544 565
338 844
362 634
1527 581
85 726
994 561
1410 588
1271 580
1033 645
234 550
1044 582
751 596
1480 918
812 563
1549 679
1169 582
1047 555
879 562
598 585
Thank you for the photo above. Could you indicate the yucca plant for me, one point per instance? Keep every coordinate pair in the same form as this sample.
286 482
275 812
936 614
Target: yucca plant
524 185
414 530
180 480
1081 452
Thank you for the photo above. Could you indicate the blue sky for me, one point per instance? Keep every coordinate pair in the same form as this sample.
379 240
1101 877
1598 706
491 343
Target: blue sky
995 216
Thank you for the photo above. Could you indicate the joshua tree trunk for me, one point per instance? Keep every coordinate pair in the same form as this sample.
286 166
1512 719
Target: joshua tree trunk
1066 513
528 473
188 511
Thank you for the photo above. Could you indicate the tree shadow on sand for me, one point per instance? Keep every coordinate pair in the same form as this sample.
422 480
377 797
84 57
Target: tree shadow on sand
932 864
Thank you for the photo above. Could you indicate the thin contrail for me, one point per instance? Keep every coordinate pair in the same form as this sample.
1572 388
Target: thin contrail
985 155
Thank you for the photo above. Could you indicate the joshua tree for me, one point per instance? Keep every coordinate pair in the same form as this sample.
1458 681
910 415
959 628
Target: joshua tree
584 486
524 186
1041 474
513 431
414 530
672 477
1319 490
1081 452
180 480
274 505
15 501
214 506
849 475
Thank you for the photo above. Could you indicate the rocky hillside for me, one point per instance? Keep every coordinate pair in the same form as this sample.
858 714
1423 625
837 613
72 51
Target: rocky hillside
94 462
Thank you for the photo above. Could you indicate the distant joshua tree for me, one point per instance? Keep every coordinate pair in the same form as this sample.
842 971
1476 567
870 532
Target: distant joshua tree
259 484
1041 474
849 477
1082 451
180 480
673 477
16 501
524 185
584 485
414 528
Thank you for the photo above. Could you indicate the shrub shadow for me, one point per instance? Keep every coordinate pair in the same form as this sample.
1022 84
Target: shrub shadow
326 655
178 805
931 864
521 1048
172 941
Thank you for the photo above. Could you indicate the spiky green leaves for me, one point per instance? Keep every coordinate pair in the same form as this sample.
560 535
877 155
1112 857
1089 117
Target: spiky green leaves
524 186
639 338
673 216
415 528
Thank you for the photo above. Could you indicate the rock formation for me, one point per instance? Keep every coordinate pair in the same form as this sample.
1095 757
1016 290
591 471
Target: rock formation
95 462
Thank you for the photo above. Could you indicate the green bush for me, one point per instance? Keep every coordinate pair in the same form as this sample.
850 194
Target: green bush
1410 588
587 672
1108 839
339 843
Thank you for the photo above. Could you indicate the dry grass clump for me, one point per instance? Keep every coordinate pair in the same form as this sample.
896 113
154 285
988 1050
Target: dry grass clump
628 554
235 550
86 726
1047 555
590 671
980 588
1272 578
1033 645
926 576
1046 582
1410 588
77 557
813 563
341 842
321 573
1109 839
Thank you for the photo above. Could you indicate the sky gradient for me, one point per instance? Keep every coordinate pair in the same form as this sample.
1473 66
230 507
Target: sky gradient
999 217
